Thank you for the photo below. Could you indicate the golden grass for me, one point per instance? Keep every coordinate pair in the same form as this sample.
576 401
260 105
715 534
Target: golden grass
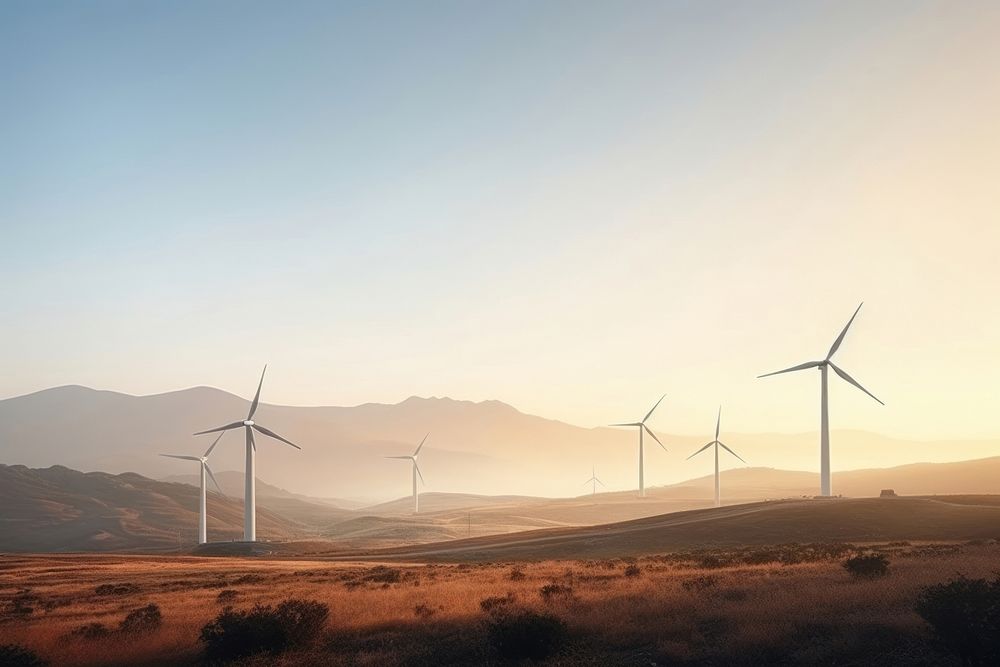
395 614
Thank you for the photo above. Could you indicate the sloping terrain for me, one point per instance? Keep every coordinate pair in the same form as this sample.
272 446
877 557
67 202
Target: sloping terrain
776 522
58 509
485 447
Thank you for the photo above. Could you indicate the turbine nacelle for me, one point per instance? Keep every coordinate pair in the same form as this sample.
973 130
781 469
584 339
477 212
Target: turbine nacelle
248 422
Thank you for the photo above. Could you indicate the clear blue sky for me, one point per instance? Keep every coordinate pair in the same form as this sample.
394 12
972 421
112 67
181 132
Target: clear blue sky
569 206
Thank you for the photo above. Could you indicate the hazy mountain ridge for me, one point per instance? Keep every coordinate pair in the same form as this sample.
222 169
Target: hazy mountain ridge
479 448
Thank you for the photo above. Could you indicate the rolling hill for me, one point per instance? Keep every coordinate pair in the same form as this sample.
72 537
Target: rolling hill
476 448
775 522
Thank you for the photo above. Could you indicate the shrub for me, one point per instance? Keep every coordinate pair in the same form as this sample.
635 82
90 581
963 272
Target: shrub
553 591
92 631
227 596
263 629
526 635
632 571
699 583
867 566
516 574
116 589
144 619
423 611
965 616
496 603
12 655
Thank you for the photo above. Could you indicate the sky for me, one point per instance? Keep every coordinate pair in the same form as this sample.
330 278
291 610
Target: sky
572 207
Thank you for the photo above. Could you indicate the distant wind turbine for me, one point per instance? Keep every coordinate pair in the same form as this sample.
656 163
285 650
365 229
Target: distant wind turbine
415 471
824 441
641 425
593 480
250 484
203 513
717 443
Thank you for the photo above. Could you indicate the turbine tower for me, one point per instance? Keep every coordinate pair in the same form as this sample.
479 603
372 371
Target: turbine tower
250 484
717 443
641 425
203 512
594 481
415 471
824 435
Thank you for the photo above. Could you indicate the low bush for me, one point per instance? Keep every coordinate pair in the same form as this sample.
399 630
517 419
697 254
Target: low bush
516 574
965 616
227 596
263 629
867 566
423 611
632 571
699 583
12 655
116 589
144 619
496 603
92 631
526 635
555 591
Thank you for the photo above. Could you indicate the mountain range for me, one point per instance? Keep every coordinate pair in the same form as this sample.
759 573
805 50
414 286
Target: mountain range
59 509
486 448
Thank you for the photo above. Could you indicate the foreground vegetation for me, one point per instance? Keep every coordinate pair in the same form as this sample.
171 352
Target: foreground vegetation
797 604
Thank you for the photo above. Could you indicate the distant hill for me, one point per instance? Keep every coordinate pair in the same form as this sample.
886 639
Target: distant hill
232 482
58 509
486 448
775 522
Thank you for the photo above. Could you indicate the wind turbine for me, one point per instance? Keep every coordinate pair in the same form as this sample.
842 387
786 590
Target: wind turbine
415 471
203 513
593 480
717 443
641 425
824 436
250 484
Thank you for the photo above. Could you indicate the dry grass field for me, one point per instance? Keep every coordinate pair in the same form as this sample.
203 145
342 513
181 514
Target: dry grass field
754 605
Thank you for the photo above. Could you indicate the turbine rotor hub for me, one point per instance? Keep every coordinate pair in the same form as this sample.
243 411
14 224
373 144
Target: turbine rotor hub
248 422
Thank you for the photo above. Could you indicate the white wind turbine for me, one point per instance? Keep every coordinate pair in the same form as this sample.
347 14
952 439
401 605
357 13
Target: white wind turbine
203 512
717 443
641 425
594 481
415 471
824 436
250 484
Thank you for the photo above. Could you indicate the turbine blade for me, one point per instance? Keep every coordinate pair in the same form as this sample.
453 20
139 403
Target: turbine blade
214 481
718 421
253 441
599 482
800 367
700 451
629 424
732 452
419 474
271 434
420 445
256 398
653 436
221 428
843 374
653 408
214 444
184 458
398 457
840 338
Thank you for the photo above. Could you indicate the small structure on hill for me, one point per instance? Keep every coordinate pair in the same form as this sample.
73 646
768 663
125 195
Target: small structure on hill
888 493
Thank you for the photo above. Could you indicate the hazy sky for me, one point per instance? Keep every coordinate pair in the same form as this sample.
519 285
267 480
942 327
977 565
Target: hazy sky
572 207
